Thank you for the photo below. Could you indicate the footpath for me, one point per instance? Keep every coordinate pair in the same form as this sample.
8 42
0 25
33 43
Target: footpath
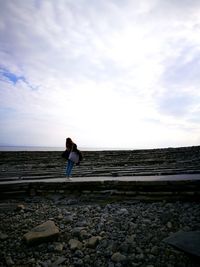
157 187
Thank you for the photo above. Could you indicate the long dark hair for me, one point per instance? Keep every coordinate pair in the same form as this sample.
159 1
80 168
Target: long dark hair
69 143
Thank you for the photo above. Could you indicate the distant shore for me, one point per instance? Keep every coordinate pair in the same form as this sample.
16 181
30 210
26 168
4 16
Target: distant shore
58 148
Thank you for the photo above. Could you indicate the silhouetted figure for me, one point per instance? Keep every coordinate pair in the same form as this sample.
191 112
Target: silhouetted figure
73 155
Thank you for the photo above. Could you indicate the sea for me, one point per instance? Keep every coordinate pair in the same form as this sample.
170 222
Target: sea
48 148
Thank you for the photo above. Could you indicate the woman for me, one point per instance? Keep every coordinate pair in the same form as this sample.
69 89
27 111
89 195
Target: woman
73 157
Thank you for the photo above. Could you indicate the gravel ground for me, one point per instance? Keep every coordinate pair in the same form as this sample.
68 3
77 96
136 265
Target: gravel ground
95 234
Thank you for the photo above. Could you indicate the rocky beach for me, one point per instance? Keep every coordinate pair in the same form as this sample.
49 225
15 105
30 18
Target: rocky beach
50 164
68 230
124 233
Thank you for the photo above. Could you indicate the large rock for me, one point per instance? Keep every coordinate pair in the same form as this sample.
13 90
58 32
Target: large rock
75 244
188 242
42 233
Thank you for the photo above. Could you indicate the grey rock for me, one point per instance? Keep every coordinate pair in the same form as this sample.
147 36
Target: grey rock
79 254
186 241
75 244
68 218
118 257
84 234
3 236
72 201
46 263
140 256
130 239
146 221
169 225
78 262
123 211
81 223
155 250
59 261
93 241
9 261
77 230
58 247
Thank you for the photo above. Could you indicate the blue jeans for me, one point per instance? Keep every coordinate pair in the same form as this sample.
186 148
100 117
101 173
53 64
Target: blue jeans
70 165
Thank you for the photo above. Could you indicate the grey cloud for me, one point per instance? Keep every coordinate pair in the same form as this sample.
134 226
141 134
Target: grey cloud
176 105
182 72
180 10
181 80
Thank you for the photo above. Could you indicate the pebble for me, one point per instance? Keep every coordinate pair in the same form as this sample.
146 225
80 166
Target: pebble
58 247
3 236
75 244
154 250
93 241
118 257
9 261
115 235
169 225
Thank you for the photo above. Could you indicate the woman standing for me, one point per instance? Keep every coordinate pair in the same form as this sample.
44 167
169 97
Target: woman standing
73 157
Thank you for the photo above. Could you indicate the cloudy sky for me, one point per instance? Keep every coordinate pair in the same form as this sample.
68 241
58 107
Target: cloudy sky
109 73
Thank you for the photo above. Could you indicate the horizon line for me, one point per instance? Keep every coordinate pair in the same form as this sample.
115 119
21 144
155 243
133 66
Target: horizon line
61 148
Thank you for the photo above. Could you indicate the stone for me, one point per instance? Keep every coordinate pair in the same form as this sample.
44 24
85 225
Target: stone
123 211
60 217
75 244
3 236
118 257
20 207
93 241
77 230
46 263
9 261
68 218
78 253
130 239
58 247
188 242
59 261
78 262
84 234
146 221
42 233
169 225
154 250
140 256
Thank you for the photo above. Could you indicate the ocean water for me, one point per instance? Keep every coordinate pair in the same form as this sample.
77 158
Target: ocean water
46 148
30 148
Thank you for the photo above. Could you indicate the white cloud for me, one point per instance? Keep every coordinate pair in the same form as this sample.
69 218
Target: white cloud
105 73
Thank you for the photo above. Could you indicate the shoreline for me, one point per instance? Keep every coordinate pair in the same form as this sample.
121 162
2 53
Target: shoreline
98 149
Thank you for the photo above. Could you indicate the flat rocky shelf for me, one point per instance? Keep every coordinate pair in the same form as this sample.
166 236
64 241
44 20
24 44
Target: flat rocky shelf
172 172
21 165
173 187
